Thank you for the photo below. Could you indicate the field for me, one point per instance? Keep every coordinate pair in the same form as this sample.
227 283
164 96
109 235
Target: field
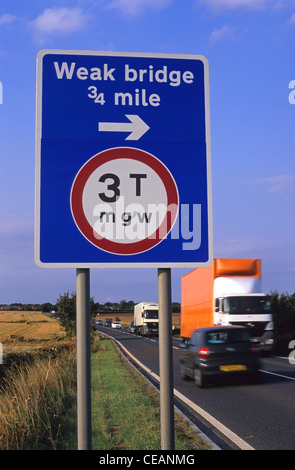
18 329
26 330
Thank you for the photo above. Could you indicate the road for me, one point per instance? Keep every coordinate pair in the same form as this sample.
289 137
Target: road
235 414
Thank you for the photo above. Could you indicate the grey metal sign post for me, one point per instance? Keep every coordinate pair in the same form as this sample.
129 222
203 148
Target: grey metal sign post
166 359
83 359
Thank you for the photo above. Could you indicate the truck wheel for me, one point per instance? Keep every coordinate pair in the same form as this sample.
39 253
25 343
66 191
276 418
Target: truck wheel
199 378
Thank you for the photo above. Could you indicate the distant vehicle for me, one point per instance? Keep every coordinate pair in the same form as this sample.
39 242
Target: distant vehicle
108 323
131 327
99 323
146 318
116 324
219 352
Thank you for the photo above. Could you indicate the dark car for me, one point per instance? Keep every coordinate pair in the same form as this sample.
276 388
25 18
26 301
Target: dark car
108 323
219 351
131 327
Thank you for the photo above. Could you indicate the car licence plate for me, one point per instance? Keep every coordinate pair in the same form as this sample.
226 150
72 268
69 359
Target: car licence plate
233 367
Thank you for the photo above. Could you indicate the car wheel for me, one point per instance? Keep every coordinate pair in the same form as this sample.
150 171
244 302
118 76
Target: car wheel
183 374
199 378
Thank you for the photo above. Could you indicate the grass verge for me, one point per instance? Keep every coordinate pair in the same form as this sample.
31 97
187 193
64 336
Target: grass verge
38 404
126 409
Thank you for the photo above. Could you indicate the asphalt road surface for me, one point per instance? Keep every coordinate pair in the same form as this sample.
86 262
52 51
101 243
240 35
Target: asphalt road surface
235 414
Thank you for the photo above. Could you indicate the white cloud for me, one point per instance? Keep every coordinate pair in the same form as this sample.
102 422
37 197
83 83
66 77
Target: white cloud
7 19
234 4
281 184
221 33
59 20
136 7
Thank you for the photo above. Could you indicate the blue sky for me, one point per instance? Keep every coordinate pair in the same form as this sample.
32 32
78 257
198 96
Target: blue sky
250 48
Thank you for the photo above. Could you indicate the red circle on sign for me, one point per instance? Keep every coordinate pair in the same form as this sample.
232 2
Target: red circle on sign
85 227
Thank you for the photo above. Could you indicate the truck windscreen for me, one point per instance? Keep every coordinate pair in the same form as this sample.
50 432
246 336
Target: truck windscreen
243 305
151 314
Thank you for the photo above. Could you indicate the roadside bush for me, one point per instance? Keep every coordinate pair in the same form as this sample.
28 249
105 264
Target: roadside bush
283 308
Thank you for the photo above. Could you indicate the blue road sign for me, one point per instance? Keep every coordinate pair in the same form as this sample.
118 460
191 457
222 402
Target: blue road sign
123 160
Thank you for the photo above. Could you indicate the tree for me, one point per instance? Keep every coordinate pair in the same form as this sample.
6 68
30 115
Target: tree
127 306
47 307
283 311
66 312
175 307
123 304
108 306
94 307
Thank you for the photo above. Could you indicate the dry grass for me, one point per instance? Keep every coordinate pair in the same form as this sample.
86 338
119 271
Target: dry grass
38 379
19 329
34 400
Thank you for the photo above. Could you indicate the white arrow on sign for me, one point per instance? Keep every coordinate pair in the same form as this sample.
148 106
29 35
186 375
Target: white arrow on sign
136 126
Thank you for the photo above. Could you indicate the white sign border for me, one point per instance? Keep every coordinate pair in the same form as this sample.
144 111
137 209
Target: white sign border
38 262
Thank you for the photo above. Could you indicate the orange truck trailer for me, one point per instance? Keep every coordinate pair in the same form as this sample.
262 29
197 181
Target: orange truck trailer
228 292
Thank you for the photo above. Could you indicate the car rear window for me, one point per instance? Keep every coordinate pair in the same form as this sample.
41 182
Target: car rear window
227 336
